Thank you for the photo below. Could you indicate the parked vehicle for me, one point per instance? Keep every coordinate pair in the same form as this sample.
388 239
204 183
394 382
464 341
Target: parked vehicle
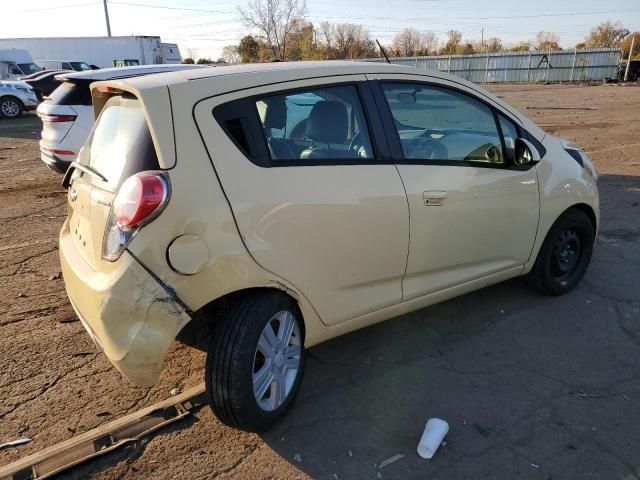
67 114
15 98
292 203
44 82
64 65
100 51
16 63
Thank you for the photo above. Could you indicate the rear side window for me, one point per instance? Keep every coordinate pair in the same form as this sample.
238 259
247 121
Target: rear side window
71 93
322 124
120 144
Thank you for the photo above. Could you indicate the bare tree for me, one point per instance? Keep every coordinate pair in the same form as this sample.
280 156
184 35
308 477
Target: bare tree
453 41
230 54
192 53
606 35
431 43
275 20
408 43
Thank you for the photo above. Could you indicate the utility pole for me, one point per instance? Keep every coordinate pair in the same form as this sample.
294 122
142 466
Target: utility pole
626 72
106 17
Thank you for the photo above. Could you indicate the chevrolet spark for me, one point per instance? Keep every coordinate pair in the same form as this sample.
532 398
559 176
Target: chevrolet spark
286 204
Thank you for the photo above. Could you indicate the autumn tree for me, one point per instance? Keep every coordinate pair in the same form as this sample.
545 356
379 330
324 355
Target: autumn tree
275 20
493 45
625 45
188 61
453 42
547 41
521 47
408 43
606 35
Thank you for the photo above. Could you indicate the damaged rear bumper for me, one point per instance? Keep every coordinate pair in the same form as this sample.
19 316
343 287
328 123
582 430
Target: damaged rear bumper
130 315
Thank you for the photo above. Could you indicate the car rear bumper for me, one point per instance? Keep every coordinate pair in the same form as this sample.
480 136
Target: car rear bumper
54 162
130 316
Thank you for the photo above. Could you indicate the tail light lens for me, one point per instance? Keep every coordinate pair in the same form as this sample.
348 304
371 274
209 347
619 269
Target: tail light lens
52 118
140 199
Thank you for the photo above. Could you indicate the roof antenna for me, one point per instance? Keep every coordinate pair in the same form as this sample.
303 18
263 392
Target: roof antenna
384 54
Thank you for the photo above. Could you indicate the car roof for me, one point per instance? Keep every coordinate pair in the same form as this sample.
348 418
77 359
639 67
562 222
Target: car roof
282 71
121 72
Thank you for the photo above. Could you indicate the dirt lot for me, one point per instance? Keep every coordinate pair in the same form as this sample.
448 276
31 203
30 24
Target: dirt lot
532 387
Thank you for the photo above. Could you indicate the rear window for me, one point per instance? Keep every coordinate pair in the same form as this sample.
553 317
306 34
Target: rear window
71 93
120 144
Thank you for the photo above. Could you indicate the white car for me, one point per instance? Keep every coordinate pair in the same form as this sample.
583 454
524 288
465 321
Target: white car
67 114
15 98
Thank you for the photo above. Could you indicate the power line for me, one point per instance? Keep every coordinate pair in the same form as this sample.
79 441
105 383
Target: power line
58 7
164 7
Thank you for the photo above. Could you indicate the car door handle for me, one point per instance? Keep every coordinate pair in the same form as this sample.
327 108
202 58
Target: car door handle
434 198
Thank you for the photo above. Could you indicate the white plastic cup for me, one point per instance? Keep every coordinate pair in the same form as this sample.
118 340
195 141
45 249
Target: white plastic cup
434 433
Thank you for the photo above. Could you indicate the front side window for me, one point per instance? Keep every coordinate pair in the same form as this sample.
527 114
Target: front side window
436 123
321 124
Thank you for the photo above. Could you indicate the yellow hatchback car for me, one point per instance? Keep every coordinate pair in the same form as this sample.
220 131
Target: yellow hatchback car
286 204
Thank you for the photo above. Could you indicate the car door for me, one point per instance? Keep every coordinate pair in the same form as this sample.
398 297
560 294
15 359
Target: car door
473 212
314 193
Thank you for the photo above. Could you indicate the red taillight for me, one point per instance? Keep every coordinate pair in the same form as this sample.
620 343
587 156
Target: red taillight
106 89
53 118
139 198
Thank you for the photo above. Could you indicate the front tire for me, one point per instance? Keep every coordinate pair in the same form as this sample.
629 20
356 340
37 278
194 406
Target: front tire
255 361
565 254
10 107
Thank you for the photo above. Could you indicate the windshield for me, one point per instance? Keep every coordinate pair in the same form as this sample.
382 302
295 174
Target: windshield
29 68
79 66
120 144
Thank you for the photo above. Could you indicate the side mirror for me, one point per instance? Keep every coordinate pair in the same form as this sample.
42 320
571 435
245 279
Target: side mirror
525 153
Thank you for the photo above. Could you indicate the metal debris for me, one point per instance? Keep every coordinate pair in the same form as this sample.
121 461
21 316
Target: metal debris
391 460
297 457
15 443
174 391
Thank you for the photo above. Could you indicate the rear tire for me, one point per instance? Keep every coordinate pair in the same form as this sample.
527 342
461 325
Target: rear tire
565 254
255 361
10 107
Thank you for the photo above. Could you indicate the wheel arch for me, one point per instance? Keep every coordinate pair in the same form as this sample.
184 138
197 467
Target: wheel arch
204 319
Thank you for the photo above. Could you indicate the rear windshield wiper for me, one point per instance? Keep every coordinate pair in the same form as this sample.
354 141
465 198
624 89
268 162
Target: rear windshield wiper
66 181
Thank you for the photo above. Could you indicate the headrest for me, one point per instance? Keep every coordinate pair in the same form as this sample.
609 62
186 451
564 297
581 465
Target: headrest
328 122
275 115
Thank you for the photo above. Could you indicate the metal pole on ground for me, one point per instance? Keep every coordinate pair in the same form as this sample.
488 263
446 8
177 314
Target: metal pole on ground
528 66
106 17
626 72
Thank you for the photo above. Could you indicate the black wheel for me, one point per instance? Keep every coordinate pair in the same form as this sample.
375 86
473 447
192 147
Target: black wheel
565 254
255 361
11 107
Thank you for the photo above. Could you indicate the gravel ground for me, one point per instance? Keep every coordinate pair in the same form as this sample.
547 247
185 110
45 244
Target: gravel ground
532 387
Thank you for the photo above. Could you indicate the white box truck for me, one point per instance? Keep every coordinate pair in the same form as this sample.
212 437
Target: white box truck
16 63
102 52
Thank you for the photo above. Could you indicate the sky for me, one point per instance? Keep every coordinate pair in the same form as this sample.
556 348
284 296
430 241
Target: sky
204 27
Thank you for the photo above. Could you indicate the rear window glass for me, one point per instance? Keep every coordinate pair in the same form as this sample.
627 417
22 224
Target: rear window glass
120 144
71 93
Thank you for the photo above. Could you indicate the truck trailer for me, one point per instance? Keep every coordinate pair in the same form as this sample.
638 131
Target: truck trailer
102 52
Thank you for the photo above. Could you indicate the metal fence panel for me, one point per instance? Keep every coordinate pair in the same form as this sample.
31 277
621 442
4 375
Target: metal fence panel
538 66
